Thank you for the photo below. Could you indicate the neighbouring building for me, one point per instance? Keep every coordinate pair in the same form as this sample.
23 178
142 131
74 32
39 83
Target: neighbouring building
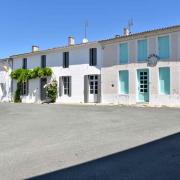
76 67
142 68
5 80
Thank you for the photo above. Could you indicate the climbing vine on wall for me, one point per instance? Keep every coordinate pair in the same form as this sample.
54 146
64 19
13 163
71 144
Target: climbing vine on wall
23 75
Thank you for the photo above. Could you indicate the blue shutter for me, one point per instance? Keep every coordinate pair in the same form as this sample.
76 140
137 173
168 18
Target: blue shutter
124 82
164 47
124 53
164 80
142 50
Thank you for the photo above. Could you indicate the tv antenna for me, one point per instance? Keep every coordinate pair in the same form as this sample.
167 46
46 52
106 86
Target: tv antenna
85 29
130 25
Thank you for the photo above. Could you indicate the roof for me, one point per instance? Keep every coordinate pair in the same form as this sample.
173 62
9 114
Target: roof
4 59
55 49
107 41
143 34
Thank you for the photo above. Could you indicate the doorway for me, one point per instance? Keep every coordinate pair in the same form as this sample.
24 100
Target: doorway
143 85
43 91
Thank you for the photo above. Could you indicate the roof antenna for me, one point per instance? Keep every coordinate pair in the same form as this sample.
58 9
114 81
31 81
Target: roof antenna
130 25
85 40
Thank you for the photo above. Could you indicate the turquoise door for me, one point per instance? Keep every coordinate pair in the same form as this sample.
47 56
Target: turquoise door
143 85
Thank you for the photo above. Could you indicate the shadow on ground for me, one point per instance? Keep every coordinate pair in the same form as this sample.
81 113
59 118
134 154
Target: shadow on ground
157 160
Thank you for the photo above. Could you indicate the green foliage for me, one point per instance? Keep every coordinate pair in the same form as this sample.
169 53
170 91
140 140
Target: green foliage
47 71
34 73
22 75
52 90
17 98
16 74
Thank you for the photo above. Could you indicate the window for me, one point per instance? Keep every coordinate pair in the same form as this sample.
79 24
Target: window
142 50
24 63
124 53
163 43
65 84
65 59
24 88
164 80
43 61
93 56
93 84
124 82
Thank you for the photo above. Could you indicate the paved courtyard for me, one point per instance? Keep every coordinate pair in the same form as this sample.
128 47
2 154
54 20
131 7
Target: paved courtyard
89 142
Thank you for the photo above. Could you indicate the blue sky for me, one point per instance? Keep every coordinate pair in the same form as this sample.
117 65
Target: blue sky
48 23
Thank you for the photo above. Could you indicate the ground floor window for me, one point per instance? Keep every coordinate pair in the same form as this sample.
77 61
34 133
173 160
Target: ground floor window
93 84
65 85
164 80
124 82
24 88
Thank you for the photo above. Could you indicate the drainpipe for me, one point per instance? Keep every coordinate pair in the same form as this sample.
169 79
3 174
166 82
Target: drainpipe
11 66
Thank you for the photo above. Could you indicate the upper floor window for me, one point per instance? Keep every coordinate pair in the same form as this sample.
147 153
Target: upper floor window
124 82
163 47
43 61
93 56
65 59
24 63
142 50
124 53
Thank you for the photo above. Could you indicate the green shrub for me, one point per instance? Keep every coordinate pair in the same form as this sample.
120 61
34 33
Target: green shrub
17 98
52 90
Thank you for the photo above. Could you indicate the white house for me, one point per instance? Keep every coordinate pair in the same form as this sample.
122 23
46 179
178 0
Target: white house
5 80
76 67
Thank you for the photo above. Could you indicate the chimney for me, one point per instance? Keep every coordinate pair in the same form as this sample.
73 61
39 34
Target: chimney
35 48
71 41
126 32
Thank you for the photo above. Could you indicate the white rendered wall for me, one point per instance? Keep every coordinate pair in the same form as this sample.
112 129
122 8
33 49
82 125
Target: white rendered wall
78 68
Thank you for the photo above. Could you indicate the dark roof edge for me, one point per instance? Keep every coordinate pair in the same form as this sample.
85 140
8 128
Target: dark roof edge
131 36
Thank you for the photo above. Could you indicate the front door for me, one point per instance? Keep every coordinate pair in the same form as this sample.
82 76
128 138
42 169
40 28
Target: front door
93 88
43 82
143 85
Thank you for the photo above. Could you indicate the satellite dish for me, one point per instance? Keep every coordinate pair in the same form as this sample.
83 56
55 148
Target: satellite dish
85 40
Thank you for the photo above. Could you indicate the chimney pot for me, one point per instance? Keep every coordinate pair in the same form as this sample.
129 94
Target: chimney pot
126 32
71 41
35 48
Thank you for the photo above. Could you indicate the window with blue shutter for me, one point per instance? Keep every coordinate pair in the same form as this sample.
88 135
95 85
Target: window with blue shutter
164 80
142 50
164 52
123 53
124 82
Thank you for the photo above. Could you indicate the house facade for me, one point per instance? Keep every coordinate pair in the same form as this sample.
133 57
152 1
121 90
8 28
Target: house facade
5 80
128 69
142 68
76 68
